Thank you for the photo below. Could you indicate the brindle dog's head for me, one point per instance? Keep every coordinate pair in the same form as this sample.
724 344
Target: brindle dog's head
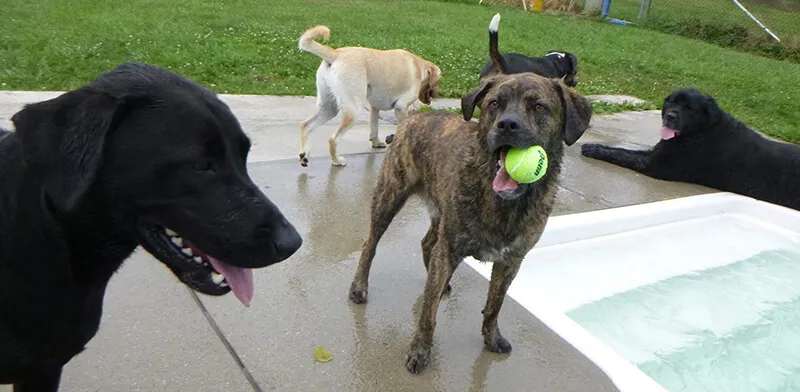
522 110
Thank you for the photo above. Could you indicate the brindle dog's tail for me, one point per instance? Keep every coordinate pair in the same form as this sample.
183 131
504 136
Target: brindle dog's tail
498 63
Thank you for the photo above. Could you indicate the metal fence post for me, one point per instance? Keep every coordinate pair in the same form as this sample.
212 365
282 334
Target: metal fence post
644 9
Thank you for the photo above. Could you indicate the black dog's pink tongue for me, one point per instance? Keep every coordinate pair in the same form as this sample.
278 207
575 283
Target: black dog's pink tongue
502 181
240 280
668 133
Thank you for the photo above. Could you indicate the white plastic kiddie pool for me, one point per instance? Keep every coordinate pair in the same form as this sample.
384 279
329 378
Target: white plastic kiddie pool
697 293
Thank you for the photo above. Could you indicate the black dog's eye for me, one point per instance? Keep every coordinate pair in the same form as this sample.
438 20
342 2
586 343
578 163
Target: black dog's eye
494 104
203 165
539 108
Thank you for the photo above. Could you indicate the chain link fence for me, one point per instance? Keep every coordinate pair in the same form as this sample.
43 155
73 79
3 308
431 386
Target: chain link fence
768 27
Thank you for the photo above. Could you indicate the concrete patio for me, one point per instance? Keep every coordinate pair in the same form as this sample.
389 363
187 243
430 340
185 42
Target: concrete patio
158 336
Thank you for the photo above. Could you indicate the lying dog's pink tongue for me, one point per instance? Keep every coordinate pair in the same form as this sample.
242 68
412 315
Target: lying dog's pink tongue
240 280
502 181
668 133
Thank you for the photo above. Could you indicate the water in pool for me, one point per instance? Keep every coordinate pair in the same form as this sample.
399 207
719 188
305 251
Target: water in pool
729 328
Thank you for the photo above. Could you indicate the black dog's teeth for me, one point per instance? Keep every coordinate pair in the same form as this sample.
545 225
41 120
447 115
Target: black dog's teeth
178 241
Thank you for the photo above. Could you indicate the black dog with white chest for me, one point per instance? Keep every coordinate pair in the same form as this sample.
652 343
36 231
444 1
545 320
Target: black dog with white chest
702 144
556 64
139 156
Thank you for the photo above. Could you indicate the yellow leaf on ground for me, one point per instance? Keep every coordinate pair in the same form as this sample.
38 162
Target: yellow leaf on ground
322 355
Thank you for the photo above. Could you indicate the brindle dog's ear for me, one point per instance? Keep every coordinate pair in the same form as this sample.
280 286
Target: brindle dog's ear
475 97
62 141
577 113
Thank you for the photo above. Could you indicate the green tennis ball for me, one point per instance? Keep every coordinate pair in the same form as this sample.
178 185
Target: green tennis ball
526 165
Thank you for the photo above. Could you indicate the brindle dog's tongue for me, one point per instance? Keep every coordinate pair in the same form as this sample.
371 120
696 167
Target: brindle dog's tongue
240 280
502 181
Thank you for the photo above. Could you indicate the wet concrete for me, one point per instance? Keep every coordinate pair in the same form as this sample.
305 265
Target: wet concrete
155 337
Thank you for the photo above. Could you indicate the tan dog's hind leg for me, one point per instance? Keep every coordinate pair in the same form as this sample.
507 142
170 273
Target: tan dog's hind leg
502 275
373 128
442 265
348 118
326 109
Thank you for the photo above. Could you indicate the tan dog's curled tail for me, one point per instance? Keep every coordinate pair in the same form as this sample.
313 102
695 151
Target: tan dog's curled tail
307 43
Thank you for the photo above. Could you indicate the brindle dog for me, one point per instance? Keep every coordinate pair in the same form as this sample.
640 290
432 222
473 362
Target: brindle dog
476 209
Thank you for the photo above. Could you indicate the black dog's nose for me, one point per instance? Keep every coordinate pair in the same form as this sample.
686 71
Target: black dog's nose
287 241
671 116
508 124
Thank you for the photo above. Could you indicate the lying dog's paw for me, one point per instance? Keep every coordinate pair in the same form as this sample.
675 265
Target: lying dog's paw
497 344
357 294
417 360
303 159
592 150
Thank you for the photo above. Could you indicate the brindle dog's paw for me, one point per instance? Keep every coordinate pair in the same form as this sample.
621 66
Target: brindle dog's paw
497 344
417 360
303 159
448 290
357 294
592 150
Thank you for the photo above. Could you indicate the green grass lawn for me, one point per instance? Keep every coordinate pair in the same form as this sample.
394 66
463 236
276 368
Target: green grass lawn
250 46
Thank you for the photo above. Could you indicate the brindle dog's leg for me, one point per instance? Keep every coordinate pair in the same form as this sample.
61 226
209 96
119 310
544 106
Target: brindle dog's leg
502 274
391 193
442 265
427 245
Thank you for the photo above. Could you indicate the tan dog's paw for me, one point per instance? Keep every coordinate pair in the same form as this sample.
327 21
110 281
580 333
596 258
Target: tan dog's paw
417 359
377 143
339 161
303 159
358 294
497 344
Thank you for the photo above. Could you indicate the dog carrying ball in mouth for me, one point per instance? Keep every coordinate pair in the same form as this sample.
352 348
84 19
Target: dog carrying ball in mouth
460 168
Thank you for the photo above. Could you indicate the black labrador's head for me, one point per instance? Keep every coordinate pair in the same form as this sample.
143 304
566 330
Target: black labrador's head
688 111
523 110
568 65
161 160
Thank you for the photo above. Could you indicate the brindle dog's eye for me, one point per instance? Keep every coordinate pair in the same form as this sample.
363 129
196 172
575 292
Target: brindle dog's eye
494 104
539 107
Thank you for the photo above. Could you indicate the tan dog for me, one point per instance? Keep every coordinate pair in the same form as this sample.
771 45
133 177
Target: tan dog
350 78
457 167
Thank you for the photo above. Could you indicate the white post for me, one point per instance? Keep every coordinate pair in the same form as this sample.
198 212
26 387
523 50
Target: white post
756 20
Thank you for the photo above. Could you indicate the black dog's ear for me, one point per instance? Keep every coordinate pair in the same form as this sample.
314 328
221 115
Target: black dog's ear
62 141
577 113
475 97
713 111
573 62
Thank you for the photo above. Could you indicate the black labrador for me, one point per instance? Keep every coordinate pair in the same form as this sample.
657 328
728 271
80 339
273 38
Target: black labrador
556 64
702 144
139 156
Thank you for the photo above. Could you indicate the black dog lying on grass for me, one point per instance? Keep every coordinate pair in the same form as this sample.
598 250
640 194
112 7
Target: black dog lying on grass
702 144
140 156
